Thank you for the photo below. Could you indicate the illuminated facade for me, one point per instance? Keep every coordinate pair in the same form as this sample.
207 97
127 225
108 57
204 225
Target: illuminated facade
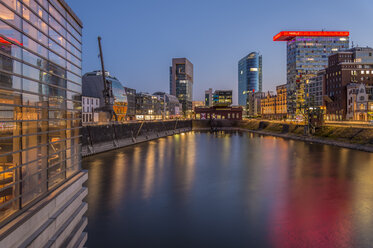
181 82
352 66
315 89
208 97
40 119
275 106
307 53
222 98
249 76
359 102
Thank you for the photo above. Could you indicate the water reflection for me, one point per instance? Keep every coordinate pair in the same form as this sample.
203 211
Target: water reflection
230 190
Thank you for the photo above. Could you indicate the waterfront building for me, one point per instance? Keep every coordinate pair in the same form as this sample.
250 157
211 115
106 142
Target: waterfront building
131 103
222 98
359 102
215 112
208 97
170 105
93 86
249 76
148 107
315 89
89 104
352 66
181 82
41 193
253 105
274 106
198 104
307 53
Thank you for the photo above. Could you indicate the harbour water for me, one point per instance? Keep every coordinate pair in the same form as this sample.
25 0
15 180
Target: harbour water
230 189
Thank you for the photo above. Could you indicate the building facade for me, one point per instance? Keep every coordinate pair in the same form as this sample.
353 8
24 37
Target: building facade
315 89
253 105
93 86
148 107
131 103
352 66
196 104
170 105
41 193
222 98
220 113
307 53
181 82
89 104
249 76
359 102
275 106
208 97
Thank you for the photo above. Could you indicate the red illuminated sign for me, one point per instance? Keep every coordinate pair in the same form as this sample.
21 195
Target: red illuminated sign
4 41
288 35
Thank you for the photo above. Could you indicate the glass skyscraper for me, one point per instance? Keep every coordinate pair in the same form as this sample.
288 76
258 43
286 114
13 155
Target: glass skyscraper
40 104
307 53
249 76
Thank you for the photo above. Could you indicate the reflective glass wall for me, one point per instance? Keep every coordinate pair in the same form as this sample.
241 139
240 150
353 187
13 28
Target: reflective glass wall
40 106
305 57
249 76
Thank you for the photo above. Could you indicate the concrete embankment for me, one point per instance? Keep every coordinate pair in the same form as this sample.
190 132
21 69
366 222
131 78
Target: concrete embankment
96 139
348 137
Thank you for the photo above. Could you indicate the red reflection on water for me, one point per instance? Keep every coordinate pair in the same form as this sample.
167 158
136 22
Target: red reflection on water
313 216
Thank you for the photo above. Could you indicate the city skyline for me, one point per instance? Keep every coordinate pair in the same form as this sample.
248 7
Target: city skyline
215 37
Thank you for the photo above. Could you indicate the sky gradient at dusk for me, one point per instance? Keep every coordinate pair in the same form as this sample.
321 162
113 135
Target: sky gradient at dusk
141 37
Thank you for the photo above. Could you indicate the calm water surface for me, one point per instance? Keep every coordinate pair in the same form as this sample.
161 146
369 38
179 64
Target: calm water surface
230 190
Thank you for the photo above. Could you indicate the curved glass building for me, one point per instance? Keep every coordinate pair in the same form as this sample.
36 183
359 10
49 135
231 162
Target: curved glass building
249 76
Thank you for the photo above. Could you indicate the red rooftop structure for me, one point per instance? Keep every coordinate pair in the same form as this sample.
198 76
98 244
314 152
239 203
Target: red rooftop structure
288 35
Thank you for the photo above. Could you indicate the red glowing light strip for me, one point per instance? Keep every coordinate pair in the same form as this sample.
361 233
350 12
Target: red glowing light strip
288 35
4 41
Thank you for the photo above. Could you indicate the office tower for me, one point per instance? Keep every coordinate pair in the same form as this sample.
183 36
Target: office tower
181 82
249 76
222 98
307 53
41 193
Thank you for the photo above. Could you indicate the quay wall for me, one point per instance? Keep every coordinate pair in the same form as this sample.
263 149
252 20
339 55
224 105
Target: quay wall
358 138
102 138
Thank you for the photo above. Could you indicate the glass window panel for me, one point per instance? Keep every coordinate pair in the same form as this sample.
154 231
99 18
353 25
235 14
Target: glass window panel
57 59
10 82
13 4
9 16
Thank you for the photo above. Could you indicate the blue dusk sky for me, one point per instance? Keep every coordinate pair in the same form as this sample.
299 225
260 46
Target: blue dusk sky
140 37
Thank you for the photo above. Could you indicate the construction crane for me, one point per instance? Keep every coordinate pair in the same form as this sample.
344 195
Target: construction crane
107 92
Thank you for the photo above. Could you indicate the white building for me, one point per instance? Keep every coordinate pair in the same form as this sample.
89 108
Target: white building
359 102
89 104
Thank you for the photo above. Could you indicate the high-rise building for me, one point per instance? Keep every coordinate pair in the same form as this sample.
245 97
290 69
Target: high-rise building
41 193
208 97
181 82
249 76
307 53
131 106
352 66
315 89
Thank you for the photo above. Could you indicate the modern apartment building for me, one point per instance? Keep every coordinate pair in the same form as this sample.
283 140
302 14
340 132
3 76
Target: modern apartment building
352 66
222 98
131 106
253 105
41 193
170 105
181 82
307 53
249 76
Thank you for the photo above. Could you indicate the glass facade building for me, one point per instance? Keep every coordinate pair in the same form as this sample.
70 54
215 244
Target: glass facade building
40 100
249 76
307 53
181 82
